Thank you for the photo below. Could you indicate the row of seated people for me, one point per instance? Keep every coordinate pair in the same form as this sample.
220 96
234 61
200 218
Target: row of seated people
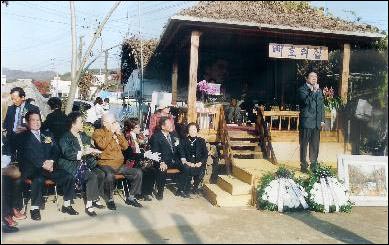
77 160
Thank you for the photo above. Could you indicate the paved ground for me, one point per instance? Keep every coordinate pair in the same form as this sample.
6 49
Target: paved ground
177 220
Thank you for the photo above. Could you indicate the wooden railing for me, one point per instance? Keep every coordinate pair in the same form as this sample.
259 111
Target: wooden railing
225 140
264 133
289 115
209 118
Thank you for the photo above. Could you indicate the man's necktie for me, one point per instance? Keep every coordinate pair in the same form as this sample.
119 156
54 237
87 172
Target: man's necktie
169 139
38 136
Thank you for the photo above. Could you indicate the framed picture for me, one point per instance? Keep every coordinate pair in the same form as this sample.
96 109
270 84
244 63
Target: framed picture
366 178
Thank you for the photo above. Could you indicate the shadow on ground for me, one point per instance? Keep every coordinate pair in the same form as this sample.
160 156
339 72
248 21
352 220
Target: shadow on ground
329 229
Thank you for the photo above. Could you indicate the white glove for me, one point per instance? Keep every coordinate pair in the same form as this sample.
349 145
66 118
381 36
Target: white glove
153 156
89 150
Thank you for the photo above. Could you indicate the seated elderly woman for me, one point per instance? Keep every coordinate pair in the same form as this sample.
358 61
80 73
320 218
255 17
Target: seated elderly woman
110 140
194 154
138 156
78 159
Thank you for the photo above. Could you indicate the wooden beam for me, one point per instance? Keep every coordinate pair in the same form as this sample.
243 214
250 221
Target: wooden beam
174 80
343 86
193 66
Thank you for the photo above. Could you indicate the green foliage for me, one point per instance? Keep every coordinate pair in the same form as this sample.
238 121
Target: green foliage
383 91
283 172
264 182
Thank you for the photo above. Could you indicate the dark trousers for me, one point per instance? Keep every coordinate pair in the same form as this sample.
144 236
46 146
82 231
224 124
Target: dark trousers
11 145
197 173
94 181
309 136
60 177
132 184
148 180
161 176
11 195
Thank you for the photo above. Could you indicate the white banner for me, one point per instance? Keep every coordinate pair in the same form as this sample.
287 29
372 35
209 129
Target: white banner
300 52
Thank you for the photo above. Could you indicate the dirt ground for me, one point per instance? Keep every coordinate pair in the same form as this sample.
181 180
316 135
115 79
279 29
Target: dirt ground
195 220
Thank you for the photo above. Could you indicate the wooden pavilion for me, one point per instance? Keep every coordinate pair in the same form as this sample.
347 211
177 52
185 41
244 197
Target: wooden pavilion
239 43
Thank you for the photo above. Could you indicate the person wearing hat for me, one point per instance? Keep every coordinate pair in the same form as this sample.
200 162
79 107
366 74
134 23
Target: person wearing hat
163 110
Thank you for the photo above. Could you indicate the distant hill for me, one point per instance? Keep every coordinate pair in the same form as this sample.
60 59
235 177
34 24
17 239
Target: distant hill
12 75
19 74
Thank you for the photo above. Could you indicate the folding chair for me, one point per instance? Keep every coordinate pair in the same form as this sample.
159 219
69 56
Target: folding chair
171 174
120 178
48 183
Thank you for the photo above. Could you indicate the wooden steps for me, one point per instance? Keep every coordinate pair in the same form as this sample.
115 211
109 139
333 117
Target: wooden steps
247 153
233 185
218 197
243 144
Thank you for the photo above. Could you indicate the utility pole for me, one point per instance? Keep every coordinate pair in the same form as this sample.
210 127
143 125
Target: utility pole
80 51
106 67
73 87
55 76
74 84
141 67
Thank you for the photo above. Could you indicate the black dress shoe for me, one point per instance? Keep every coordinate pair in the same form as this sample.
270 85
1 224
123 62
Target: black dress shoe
9 229
111 205
35 214
147 198
159 195
133 202
185 195
69 210
182 194
99 206
90 213
179 193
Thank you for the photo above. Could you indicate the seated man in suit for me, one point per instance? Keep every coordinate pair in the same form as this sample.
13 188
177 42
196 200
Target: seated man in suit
164 142
38 154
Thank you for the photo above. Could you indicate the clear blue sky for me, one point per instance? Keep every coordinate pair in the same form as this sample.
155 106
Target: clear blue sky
34 33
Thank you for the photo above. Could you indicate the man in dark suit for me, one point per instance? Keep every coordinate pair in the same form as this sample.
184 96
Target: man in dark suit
38 152
167 144
14 122
311 120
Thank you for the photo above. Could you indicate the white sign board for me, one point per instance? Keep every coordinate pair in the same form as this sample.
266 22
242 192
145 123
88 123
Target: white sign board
366 178
215 87
299 52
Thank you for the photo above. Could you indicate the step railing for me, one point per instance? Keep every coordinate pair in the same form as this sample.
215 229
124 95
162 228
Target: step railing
225 140
264 134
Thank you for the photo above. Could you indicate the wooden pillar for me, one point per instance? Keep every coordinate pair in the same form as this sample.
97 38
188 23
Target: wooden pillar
193 65
174 81
343 86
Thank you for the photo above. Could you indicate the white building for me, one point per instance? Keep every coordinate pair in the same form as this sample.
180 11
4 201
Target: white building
61 88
